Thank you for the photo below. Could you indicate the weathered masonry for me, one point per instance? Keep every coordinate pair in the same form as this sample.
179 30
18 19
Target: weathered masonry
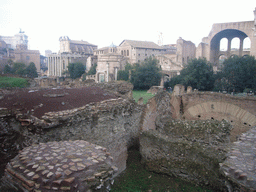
205 138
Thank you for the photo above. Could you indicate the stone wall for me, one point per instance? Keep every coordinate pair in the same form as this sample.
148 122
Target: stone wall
176 141
191 150
112 124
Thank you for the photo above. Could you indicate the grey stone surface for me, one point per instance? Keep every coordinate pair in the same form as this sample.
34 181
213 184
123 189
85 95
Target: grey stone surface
240 165
191 150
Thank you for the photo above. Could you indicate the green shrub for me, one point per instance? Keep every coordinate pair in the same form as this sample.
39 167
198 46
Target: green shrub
9 82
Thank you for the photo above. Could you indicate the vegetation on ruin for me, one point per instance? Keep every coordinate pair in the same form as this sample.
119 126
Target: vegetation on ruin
137 178
141 93
9 82
76 70
21 69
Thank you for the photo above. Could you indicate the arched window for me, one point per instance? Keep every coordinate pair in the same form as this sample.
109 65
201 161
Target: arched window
224 44
127 52
247 44
124 52
235 44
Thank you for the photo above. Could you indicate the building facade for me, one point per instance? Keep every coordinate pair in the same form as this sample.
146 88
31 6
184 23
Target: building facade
70 52
12 41
138 51
15 48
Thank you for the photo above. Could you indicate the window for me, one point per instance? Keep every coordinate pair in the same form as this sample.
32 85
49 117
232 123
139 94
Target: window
122 53
138 54
27 58
127 52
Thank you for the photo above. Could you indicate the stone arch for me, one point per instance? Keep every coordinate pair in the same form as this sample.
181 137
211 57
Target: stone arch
215 43
221 110
222 57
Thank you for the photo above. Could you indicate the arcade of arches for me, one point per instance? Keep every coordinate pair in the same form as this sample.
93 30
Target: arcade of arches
227 39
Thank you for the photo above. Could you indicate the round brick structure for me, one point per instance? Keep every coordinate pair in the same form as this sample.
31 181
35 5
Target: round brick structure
61 166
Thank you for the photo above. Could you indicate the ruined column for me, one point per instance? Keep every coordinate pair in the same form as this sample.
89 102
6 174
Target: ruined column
48 65
107 71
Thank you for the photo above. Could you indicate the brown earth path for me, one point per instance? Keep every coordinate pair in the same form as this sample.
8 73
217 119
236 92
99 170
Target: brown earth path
39 102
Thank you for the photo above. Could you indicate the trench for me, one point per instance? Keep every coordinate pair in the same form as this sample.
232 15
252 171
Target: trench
137 178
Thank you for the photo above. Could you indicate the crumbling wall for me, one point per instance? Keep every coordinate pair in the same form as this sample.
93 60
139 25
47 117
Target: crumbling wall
191 150
113 124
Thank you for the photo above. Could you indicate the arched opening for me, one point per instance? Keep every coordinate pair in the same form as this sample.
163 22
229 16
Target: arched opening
224 44
217 45
247 44
235 43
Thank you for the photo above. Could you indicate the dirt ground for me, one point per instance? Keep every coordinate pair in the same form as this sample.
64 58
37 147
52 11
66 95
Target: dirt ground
38 102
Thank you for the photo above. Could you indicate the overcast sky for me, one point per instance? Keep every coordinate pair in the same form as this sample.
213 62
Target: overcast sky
102 22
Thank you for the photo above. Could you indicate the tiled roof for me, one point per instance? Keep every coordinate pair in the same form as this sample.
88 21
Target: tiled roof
81 42
142 44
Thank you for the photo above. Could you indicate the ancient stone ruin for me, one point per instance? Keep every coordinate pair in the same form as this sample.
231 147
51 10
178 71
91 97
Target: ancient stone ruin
75 138
61 166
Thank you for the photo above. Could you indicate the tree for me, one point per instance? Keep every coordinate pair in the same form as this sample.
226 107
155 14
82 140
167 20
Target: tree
76 70
240 73
8 69
19 69
92 70
124 74
146 74
197 74
31 70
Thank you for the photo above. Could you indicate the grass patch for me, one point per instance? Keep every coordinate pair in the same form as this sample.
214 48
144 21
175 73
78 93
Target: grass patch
9 82
137 179
141 93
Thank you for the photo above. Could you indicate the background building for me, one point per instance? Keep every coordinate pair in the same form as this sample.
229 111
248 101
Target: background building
70 52
12 41
15 48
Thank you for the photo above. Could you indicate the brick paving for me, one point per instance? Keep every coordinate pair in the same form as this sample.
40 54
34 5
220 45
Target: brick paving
240 166
60 166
